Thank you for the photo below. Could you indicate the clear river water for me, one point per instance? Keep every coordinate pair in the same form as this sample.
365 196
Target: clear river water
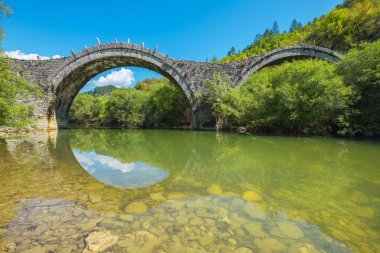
186 191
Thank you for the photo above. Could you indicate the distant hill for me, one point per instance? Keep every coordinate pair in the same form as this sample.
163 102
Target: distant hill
148 84
348 24
101 91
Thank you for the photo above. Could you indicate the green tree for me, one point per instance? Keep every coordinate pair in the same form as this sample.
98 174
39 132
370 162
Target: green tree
126 107
5 11
14 93
275 28
103 90
295 26
167 105
14 90
232 51
353 22
360 69
216 88
301 97
88 110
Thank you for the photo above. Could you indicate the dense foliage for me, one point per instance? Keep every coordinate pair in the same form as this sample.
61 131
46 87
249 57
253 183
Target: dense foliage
5 11
306 97
103 90
351 23
14 90
360 69
152 103
300 97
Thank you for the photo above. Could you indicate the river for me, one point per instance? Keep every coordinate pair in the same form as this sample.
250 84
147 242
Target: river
187 191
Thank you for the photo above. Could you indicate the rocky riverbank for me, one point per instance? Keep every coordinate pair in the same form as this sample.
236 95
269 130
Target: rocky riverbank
196 224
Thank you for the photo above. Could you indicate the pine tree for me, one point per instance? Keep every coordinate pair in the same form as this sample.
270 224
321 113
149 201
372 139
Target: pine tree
257 38
295 26
232 51
275 28
267 33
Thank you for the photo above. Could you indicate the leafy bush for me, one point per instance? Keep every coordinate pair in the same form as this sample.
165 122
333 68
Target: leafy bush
360 69
301 97
14 92
152 103
353 22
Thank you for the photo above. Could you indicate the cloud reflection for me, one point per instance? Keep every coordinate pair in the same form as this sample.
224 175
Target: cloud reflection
115 173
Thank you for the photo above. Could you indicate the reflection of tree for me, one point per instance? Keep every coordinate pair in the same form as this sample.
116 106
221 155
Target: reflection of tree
272 163
301 176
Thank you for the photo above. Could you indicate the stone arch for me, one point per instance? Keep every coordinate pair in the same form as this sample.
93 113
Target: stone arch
287 53
82 67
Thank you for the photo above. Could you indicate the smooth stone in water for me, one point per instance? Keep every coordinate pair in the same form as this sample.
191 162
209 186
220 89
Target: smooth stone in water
214 189
358 197
254 229
254 211
95 199
290 230
176 195
206 240
182 220
150 245
252 196
125 243
365 212
127 217
269 245
203 213
136 207
243 250
157 196
196 222
174 247
99 241
42 249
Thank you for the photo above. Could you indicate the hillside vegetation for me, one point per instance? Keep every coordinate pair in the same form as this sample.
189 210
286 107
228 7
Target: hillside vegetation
353 22
152 103
305 97
14 90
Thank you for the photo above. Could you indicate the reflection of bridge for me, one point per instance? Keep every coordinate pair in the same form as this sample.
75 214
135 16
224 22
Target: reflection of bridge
66 76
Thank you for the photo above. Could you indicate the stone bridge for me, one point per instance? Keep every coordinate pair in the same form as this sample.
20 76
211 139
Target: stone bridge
63 78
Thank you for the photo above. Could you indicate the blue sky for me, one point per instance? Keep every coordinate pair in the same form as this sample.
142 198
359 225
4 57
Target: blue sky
192 29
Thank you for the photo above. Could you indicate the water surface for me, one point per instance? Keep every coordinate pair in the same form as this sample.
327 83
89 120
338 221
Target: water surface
181 191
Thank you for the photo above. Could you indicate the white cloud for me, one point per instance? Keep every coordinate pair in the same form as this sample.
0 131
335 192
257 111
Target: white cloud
56 56
122 78
17 54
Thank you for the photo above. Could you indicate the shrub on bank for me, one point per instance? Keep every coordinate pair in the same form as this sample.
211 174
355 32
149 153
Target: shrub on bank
298 97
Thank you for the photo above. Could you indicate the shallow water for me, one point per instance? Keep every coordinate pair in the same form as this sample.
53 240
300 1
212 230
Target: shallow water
181 191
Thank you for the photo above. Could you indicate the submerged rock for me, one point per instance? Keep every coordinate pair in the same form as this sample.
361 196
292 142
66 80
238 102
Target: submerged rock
174 247
269 245
136 207
254 211
243 250
99 241
127 217
252 196
157 196
42 249
214 189
290 230
254 229
365 212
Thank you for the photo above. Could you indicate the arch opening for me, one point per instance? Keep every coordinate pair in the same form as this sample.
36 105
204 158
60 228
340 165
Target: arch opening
80 74
278 56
